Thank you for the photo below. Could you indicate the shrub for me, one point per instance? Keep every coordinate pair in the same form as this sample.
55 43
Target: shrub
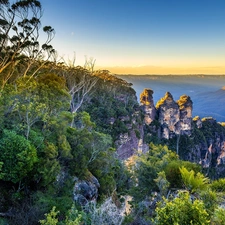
218 185
17 155
181 211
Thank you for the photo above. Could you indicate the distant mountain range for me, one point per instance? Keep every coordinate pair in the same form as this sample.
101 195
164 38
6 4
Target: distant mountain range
213 103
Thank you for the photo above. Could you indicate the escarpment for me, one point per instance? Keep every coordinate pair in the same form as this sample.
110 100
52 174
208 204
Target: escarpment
115 110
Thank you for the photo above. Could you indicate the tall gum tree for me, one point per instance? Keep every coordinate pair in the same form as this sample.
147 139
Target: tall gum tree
79 81
20 25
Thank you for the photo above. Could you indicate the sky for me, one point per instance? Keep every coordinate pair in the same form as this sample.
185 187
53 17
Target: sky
141 36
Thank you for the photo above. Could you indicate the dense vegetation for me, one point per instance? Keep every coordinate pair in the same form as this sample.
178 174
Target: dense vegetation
58 125
45 140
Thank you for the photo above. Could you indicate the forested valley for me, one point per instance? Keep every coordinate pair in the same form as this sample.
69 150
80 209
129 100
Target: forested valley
61 129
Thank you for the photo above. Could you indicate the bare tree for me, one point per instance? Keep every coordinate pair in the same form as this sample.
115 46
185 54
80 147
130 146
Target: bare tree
80 85
79 80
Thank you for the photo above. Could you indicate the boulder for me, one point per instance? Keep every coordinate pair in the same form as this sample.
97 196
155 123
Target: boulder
86 190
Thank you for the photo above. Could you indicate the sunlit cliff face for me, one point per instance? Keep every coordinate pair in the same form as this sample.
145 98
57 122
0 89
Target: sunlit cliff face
147 105
174 117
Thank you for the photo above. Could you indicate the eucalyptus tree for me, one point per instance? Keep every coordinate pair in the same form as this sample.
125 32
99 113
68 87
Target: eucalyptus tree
20 28
35 99
80 80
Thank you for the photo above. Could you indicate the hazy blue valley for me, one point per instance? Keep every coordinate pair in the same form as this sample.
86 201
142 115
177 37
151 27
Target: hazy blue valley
205 91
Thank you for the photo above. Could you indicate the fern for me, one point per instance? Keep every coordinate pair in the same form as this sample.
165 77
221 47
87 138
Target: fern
193 182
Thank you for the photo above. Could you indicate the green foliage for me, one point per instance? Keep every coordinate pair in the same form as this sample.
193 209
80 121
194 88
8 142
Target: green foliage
151 132
181 211
210 200
21 53
162 183
74 217
112 100
148 166
86 144
31 102
173 174
40 140
193 182
83 120
58 194
218 217
119 127
51 217
1 173
47 168
106 168
18 156
210 128
3 221
138 135
218 185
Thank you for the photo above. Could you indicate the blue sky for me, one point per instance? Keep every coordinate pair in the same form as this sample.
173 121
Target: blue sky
143 36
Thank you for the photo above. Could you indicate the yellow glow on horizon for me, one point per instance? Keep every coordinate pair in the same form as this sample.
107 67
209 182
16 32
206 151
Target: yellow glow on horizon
139 70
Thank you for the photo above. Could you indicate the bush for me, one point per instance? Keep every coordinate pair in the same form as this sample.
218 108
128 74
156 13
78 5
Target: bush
192 181
18 156
181 211
218 185
218 217
173 174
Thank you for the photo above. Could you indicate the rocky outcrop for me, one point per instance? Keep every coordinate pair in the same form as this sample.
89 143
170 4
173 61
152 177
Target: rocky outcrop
128 143
168 116
195 139
221 157
197 121
147 105
185 106
175 118
86 190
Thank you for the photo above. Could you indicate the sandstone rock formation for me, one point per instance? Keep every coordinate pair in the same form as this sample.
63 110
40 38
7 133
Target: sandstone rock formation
196 140
128 143
168 116
185 106
197 121
147 105
175 118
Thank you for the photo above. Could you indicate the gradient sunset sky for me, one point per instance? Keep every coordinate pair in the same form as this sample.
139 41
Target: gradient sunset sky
141 36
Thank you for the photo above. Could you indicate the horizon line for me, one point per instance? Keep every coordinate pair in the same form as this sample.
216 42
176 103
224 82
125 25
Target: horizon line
169 74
